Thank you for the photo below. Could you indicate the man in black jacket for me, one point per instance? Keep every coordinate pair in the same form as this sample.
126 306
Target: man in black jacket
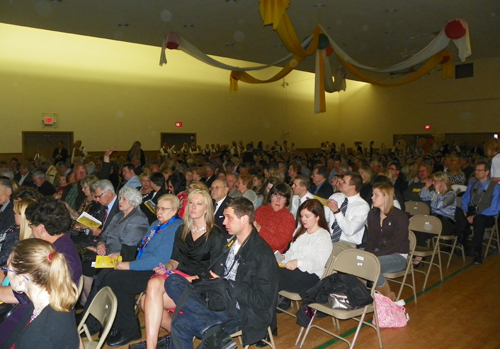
250 268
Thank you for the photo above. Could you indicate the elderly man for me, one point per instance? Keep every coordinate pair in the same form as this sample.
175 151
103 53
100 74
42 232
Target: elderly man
348 214
42 184
78 151
73 193
320 186
219 191
250 269
23 177
231 180
104 194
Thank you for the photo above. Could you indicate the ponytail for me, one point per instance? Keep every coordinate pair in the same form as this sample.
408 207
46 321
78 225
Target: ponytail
46 268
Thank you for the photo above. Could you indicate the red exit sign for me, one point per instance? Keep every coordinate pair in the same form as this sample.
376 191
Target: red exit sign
178 124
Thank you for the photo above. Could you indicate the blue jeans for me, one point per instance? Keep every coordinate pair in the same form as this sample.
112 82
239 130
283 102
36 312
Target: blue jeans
390 264
195 318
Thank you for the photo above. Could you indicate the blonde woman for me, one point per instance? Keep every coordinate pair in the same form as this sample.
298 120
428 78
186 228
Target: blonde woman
17 232
36 269
198 242
387 235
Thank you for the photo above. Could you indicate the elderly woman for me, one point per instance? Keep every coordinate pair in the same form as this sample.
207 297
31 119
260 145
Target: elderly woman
126 228
36 269
146 189
244 185
274 222
131 278
304 262
387 235
197 244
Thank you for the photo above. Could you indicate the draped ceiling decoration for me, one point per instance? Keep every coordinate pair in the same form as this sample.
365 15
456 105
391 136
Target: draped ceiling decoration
273 12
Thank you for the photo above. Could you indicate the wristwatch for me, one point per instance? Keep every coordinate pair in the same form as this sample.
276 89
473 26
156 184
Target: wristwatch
338 211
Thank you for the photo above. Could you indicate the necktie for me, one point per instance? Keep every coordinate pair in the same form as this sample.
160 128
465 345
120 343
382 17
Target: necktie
105 215
215 207
337 231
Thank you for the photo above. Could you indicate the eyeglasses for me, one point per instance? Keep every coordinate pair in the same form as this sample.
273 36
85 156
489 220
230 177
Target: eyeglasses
13 272
98 196
278 197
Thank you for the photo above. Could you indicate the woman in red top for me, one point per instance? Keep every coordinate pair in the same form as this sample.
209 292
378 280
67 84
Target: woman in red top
274 222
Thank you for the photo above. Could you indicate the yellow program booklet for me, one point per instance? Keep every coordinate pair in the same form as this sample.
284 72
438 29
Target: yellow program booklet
106 261
89 221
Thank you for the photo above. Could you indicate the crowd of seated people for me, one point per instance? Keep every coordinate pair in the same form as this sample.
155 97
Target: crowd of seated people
298 200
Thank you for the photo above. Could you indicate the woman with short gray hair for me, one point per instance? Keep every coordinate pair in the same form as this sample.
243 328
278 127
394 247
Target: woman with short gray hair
126 228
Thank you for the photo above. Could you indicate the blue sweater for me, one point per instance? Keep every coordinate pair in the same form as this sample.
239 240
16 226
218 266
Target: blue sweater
159 248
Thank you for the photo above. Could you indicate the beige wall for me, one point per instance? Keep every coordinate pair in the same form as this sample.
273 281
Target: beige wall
112 93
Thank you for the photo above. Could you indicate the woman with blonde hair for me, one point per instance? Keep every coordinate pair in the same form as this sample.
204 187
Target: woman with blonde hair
443 202
198 243
387 235
365 192
455 173
17 232
38 270
197 185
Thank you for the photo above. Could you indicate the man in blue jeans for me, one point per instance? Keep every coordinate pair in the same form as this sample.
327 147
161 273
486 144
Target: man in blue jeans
480 204
250 267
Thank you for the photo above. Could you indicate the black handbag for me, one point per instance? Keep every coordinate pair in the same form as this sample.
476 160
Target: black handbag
217 294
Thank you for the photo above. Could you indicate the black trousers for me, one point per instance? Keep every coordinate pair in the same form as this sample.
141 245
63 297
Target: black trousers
480 223
296 280
126 284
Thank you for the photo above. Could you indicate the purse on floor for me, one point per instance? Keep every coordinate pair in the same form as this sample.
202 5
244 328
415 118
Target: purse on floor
389 314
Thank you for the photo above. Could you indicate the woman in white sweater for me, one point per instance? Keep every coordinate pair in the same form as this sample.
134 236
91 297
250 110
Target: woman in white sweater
304 262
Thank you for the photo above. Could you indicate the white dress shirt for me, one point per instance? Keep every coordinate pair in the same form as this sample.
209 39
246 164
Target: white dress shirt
354 221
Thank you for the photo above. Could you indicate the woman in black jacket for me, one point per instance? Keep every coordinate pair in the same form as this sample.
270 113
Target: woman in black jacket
387 235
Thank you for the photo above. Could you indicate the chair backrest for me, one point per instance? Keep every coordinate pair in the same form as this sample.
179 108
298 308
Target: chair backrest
426 224
329 266
417 207
103 307
457 188
413 243
358 263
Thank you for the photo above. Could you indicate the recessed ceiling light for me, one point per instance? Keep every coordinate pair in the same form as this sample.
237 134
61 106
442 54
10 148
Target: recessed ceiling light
123 25
188 26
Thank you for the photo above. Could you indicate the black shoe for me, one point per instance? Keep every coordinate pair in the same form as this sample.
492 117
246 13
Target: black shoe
123 337
477 260
217 339
285 304
261 343
458 251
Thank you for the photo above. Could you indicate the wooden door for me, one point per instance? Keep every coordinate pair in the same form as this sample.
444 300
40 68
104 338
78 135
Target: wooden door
42 144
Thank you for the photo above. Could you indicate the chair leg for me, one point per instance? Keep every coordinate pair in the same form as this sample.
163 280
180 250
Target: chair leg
307 330
452 250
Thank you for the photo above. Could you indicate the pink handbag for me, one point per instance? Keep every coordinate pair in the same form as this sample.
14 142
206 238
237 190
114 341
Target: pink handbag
389 314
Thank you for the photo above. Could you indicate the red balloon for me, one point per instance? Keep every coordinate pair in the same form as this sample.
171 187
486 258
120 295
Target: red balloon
454 29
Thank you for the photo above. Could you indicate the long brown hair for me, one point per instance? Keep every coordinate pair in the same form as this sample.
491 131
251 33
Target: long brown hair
316 208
